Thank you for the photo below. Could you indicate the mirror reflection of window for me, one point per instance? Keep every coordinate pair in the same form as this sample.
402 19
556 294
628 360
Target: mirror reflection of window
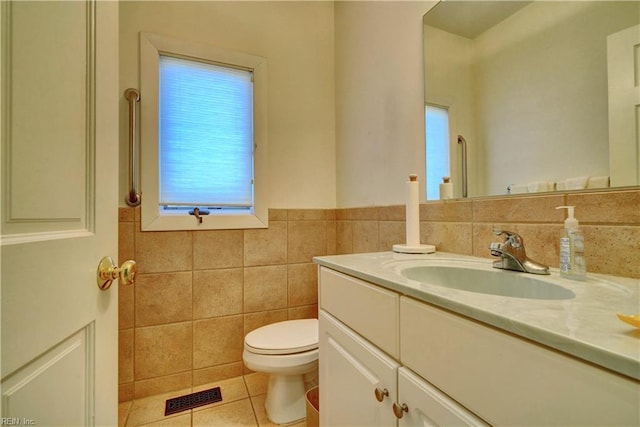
437 148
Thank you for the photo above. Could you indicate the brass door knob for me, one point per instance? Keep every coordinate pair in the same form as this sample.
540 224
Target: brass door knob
108 271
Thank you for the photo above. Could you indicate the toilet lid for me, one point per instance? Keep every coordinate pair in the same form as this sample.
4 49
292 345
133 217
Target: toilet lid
291 336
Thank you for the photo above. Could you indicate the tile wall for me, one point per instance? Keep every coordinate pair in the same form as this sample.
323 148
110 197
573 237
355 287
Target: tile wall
199 293
610 222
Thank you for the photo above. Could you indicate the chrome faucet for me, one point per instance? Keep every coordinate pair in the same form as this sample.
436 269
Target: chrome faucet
513 256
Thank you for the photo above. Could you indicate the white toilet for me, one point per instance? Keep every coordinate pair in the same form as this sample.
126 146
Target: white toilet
286 351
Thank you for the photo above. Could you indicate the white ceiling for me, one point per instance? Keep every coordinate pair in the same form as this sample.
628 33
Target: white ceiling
470 18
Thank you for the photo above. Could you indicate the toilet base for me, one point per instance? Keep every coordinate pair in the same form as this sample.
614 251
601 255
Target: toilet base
285 398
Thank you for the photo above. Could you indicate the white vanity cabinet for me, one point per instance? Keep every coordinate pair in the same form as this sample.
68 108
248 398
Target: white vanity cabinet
508 380
359 382
448 369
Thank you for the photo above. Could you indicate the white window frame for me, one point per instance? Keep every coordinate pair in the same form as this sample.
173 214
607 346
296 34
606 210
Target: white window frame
152 217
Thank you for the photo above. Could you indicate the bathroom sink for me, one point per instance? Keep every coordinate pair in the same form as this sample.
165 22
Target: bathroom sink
494 282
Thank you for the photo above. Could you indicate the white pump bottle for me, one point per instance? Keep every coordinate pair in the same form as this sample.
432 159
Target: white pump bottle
572 261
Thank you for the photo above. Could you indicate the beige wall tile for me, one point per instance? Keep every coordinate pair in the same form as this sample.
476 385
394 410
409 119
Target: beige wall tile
166 251
447 236
126 247
344 237
519 209
302 284
217 373
332 241
365 236
303 312
126 306
266 246
218 249
125 356
255 320
613 250
343 214
217 341
277 215
162 350
163 384
163 298
265 288
217 292
449 210
306 214
621 207
365 214
126 392
392 213
391 233
306 239
126 215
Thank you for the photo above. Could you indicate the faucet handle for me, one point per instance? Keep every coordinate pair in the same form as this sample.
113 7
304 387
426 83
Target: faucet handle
514 239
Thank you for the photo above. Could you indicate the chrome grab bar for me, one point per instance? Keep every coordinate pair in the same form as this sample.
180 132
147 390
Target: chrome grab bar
133 198
463 141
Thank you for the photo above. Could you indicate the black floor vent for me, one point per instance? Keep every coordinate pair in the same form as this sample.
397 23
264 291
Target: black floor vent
193 400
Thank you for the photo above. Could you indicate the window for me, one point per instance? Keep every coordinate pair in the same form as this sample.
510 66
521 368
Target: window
203 136
437 148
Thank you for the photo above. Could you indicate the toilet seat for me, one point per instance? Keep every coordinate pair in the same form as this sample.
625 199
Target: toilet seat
288 337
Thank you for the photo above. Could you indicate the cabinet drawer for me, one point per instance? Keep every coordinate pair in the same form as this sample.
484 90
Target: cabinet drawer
371 311
507 380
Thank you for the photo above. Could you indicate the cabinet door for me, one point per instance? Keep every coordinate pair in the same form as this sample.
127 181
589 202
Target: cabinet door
428 406
350 371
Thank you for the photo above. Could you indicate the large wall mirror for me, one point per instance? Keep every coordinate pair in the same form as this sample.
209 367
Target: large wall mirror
546 93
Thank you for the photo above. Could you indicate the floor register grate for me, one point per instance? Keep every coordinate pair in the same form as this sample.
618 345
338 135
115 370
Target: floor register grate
193 400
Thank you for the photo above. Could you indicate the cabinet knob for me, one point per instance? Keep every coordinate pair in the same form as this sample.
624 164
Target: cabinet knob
399 410
381 394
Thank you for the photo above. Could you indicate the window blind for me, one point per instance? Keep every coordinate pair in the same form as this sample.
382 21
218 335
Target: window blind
205 134
437 148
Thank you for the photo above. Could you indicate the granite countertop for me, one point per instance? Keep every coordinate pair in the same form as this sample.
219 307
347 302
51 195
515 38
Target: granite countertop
584 326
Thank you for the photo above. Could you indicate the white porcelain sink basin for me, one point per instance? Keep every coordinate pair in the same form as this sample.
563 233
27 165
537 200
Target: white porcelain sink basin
495 282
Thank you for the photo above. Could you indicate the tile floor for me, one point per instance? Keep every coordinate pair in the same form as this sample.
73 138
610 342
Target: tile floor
242 405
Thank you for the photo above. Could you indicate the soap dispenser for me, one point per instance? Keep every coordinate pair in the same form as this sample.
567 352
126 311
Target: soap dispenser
572 261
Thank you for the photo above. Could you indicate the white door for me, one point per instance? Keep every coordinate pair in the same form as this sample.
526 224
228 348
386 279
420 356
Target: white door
351 370
623 71
59 211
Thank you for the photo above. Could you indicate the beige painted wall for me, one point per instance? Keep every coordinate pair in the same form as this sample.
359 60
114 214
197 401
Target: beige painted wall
379 100
297 40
